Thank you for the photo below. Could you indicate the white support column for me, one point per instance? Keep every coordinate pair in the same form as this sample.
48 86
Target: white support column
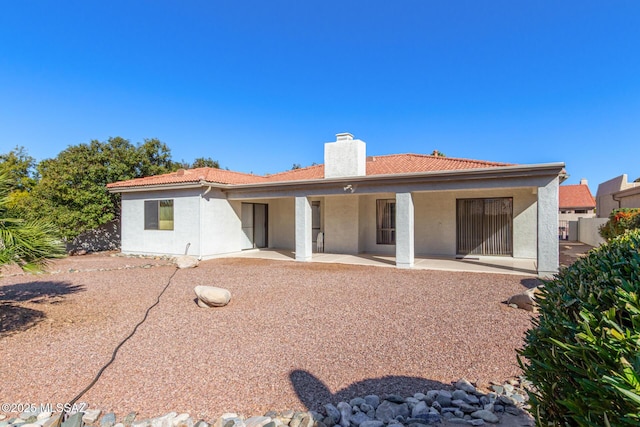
404 230
303 229
548 229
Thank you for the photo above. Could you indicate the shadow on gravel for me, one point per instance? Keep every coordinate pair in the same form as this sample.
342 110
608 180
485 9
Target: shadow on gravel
37 292
15 318
313 393
530 283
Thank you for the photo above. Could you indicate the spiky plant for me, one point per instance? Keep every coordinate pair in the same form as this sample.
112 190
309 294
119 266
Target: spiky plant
29 244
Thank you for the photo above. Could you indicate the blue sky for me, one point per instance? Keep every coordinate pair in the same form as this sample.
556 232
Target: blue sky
262 85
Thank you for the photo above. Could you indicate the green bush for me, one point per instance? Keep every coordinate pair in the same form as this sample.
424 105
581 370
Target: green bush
620 220
583 353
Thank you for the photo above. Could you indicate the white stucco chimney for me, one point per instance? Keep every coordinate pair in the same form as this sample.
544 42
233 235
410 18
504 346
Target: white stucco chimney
345 157
583 181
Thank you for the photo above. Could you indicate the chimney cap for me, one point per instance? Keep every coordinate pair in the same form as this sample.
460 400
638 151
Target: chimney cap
346 136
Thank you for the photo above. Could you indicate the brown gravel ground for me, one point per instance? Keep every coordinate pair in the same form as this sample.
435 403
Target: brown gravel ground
294 336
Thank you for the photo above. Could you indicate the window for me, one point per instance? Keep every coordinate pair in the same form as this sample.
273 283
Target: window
386 222
583 211
158 215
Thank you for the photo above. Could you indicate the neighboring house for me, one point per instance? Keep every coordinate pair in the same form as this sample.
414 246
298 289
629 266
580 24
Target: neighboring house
402 205
576 201
615 194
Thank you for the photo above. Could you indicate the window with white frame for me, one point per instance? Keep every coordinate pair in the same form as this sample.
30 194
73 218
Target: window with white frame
386 221
158 214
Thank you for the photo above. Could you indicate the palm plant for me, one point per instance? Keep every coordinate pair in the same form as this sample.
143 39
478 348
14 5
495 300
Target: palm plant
29 244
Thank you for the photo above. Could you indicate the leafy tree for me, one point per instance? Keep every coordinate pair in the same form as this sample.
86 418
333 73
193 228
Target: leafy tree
29 244
72 188
19 169
438 154
296 166
208 162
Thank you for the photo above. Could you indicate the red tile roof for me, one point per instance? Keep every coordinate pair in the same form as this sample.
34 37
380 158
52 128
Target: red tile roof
376 165
576 196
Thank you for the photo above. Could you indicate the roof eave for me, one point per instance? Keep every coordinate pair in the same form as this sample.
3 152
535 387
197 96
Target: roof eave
536 169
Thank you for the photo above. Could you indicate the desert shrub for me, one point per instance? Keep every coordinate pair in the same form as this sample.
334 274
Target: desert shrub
583 352
620 220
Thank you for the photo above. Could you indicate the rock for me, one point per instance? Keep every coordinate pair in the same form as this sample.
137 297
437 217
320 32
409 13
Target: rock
186 261
365 407
498 389
394 398
459 395
345 414
444 398
524 300
45 416
202 424
91 416
332 412
75 420
419 409
142 423
430 418
356 401
257 421
307 421
212 296
164 421
108 420
464 406
513 410
53 421
488 416
388 411
372 423
457 421
464 385
476 422
359 418
129 419
372 400
471 399
119 425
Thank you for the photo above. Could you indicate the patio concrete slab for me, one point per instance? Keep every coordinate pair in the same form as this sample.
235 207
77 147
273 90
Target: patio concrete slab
495 265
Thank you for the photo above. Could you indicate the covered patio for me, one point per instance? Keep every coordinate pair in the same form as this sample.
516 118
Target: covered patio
473 264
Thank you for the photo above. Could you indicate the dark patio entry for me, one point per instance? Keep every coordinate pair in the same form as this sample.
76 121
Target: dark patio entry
484 226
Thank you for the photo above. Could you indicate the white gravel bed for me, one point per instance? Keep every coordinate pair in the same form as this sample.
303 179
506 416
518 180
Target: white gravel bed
294 336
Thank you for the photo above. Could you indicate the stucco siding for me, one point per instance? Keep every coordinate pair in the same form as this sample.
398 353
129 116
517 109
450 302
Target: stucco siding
186 214
282 223
341 228
435 221
632 201
221 225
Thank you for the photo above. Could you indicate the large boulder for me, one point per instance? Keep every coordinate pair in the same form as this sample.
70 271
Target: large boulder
186 261
525 300
210 296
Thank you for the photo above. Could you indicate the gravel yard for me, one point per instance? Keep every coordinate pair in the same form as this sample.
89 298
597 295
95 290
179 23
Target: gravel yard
294 336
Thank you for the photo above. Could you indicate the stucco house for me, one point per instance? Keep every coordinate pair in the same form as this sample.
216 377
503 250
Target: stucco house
402 205
617 193
575 202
